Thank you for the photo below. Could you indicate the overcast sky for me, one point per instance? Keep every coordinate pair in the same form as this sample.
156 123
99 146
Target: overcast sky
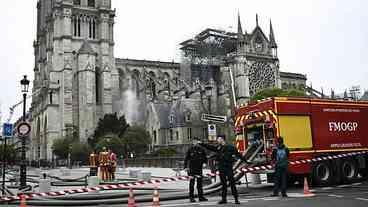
327 40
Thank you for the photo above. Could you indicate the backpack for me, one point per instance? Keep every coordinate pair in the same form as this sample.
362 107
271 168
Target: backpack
281 157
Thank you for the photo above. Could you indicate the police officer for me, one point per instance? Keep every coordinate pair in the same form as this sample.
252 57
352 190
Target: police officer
225 157
280 157
194 159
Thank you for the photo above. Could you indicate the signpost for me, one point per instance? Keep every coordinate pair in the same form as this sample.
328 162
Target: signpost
213 118
23 129
212 132
7 133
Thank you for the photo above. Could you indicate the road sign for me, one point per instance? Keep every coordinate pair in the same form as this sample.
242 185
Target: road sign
23 129
7 130
213 118
212 130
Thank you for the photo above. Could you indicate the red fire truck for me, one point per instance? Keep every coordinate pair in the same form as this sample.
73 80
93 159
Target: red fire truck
310 128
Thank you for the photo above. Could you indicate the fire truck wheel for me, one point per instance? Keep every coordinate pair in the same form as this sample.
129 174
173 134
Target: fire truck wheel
349 170
322 173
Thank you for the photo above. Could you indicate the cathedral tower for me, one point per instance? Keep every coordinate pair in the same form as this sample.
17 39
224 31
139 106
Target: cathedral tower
256 65
74 70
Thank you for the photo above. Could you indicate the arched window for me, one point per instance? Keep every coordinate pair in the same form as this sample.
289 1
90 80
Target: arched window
97 85
50 97
171 135
89 27
189 132
75 27
78 26
155 136
91 3
76 2
93 28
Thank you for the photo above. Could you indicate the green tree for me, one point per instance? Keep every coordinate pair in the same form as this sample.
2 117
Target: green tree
61 147
136 139
80 152
165 152
113 143
11 152
273 92
109 124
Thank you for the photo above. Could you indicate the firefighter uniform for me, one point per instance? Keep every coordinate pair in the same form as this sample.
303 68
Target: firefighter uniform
194 160
112 165
104 164
225 157
93 159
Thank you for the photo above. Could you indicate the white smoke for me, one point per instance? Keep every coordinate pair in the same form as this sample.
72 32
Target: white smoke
129 104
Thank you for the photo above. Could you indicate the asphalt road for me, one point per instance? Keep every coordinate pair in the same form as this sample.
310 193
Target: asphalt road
339 196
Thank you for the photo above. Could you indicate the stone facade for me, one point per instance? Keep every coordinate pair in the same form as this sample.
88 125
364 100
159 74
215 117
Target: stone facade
78 79
74 70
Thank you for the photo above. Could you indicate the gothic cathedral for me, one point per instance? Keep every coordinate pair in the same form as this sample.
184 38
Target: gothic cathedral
77 79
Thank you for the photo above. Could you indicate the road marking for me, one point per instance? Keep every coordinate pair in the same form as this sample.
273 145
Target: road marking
270 198
181 204
327 188
215 203
208 204
362 199
343 186
356 184
336 196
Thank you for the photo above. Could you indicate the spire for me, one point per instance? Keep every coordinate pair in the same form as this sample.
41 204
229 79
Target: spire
272 37
240 30
257 20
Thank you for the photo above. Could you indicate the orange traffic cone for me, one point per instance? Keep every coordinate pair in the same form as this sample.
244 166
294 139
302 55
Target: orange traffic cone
156 198
23 201
131 200
306 188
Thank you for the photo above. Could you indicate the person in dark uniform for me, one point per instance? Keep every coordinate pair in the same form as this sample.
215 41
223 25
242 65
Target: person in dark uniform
226 155
280 157
194 160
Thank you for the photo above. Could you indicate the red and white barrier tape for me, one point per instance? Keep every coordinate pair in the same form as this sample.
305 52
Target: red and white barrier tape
166 180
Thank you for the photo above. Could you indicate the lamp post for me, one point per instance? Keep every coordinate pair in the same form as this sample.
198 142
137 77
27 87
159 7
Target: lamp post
70 156
4 165
208 89
23 167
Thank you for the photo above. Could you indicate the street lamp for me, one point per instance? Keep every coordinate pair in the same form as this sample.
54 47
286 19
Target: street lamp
208 89
23 167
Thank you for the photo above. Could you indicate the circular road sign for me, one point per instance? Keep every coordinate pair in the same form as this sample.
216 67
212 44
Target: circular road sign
23 129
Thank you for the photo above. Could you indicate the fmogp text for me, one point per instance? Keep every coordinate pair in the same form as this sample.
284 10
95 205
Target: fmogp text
342 126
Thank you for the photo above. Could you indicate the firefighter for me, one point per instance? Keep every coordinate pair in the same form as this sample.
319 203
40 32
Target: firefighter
104 163
93 163
225 157
280 157
112 165
194 160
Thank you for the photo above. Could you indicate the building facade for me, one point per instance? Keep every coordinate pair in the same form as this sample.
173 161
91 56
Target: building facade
75 76
78 79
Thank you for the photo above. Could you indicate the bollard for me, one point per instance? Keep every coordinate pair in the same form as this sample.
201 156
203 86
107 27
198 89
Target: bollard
146 176
44 185
134 173
93 181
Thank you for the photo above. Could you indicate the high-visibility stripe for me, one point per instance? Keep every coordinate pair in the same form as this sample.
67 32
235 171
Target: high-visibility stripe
304 151
340 150
237 121
346 104
242 119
